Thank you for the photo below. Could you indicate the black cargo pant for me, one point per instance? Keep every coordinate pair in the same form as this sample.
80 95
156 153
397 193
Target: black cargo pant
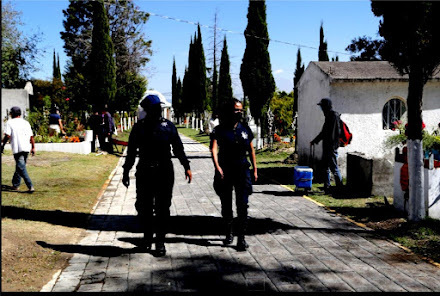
238 178
154 189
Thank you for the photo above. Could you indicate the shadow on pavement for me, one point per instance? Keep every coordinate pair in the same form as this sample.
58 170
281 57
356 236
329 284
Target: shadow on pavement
275 175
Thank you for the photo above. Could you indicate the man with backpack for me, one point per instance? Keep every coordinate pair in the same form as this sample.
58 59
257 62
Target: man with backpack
330 135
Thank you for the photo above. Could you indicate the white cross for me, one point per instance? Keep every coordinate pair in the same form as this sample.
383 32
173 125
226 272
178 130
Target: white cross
244 135
164 124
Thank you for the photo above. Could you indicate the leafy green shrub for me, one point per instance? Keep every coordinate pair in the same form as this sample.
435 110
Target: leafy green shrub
429 141
48 139
39 122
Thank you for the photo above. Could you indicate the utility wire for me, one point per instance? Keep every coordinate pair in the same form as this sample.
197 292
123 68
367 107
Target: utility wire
235 32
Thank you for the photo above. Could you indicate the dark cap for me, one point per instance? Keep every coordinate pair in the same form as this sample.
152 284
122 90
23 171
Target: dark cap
149 101
15 111
326 103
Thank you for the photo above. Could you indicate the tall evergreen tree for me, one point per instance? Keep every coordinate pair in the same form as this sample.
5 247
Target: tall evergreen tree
132 50
58 66
174 83
215 89
174 91
54 66
56 72
201 79
255 72
322 54
178 103
102 63
195 80
297 76
188 84
225 82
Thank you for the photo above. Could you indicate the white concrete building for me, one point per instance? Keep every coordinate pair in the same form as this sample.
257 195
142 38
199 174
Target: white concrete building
15 97
369 96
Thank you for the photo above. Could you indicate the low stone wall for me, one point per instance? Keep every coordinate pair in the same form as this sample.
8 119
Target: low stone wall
84 147
79 148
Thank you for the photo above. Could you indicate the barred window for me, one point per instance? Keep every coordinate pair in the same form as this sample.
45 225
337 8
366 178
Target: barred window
392 112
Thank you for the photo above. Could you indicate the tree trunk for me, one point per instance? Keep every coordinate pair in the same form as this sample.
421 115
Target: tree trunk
417 209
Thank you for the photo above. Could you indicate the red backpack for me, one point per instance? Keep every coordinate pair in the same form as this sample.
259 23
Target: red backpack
345 136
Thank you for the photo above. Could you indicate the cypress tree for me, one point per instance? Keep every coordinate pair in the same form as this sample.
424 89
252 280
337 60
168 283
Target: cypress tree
102 63
215 89
58 66
200 79
255 72
174 84
298 73
225 83
186 95
54 67
56 72
297 76
179 111
188 80
322 54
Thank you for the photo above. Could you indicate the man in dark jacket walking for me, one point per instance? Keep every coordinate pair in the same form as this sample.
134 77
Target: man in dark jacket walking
152 137
330 142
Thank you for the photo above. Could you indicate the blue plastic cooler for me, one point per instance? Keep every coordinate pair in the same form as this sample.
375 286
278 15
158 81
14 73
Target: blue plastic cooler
302 177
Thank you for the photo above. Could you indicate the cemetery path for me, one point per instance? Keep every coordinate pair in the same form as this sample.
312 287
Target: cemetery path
295 245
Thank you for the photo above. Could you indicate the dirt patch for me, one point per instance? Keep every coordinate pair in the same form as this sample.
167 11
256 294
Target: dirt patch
386 225
35 160
27 266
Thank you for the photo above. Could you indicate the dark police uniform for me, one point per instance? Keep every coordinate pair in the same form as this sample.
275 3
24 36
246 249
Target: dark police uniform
232 157
154 171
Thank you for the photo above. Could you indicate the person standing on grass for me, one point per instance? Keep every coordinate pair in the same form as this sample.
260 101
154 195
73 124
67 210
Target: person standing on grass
231 141
94 124
55 122
19 132
330 143
107 127
152 137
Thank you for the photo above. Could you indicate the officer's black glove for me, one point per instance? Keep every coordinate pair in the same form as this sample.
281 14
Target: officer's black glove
126 179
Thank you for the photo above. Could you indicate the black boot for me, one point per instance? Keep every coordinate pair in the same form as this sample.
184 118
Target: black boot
229 236
160 249
242 244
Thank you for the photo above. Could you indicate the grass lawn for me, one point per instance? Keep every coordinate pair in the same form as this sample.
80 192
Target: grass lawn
66 189
375 212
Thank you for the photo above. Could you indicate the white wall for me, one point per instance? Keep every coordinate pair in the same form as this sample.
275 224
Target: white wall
432 191
360 104
313 86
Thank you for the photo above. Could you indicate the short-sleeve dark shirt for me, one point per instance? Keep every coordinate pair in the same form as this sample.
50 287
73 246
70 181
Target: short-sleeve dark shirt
233 144
54 118
153 141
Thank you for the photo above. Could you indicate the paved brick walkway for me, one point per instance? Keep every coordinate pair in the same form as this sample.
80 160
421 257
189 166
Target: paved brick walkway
295 245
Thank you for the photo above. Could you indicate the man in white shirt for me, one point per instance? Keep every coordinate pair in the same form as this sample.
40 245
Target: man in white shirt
19 132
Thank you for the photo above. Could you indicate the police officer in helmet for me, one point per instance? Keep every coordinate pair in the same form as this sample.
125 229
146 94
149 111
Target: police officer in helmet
152 137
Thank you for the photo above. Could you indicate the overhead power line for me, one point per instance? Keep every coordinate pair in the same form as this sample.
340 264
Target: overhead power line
235 32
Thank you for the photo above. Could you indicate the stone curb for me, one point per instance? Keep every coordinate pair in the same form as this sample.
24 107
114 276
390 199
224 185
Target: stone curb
49 286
